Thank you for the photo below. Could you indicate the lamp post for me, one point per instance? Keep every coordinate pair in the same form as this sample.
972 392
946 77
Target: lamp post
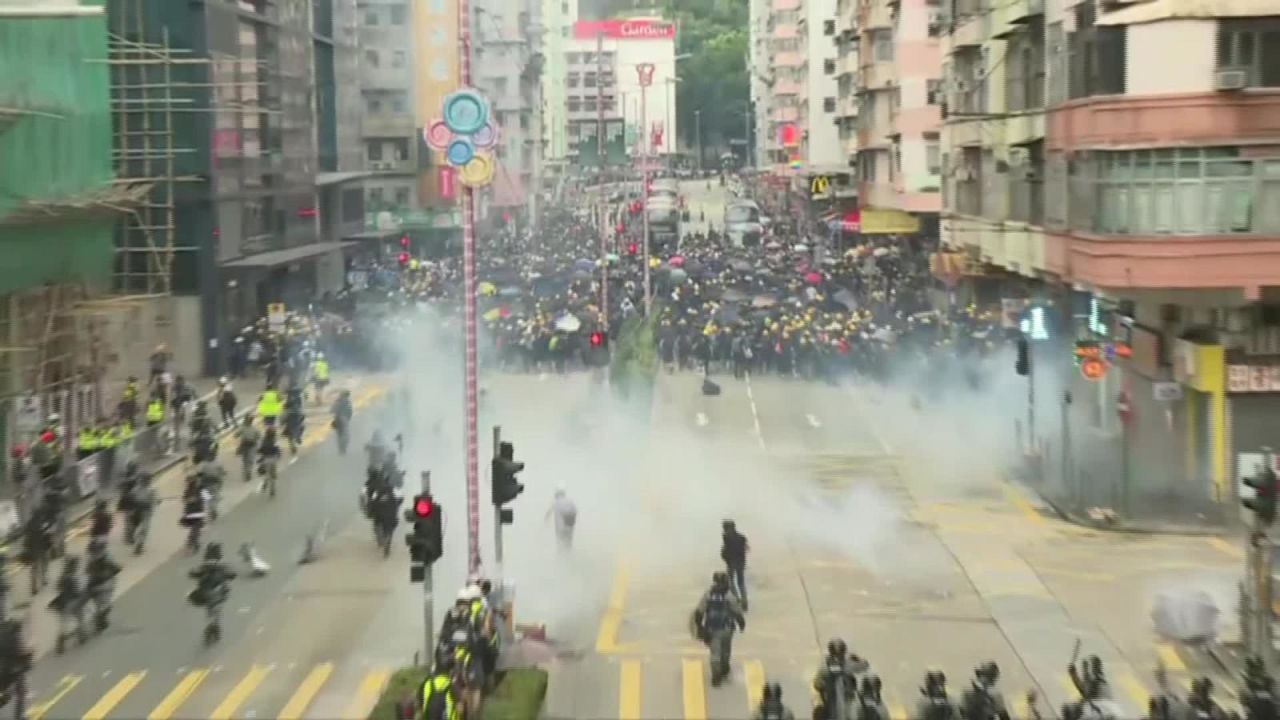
697 131
644 72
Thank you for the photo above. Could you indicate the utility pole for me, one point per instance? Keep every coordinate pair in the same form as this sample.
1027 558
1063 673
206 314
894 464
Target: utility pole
497 509
645 73
428 595
601 158
1255 626
697 130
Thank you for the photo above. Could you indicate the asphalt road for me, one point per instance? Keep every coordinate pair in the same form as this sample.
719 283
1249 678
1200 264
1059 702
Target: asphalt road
856 534
315 638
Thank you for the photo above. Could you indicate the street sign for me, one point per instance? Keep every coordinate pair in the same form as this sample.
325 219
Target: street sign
820 185
1166 391
275 317
1093 369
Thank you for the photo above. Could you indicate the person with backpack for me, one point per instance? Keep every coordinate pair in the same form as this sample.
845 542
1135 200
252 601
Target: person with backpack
934 704
716 617
870 700
440 699
566 516
733 550
771 707
982 701
836 681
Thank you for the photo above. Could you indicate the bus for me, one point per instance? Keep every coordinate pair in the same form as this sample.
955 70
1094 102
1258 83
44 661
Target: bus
664 225
743 224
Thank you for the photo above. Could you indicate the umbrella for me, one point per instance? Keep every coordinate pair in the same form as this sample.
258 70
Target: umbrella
732 295
813 278
1187 615
584 264
497 313
488 288
800 248
510 292
730 313
773 245
677 275
694 267
740 265
568 323
612 257
676 261
846 298
581 274
764 301
880 252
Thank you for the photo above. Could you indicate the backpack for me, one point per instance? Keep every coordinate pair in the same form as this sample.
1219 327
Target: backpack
772 711
437 703
978 705
717 610
939 709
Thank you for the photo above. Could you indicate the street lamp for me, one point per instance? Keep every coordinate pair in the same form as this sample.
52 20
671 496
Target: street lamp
671 114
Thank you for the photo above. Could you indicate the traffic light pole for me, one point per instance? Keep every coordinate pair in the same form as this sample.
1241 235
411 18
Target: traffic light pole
497 510
428 595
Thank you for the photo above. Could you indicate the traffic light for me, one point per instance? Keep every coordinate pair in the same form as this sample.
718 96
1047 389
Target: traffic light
505 487
1023 364
599 339
1263 502
426 538
633 248
404 259
404 241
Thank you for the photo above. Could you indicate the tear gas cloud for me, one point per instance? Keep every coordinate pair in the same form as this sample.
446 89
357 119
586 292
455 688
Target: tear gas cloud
657 492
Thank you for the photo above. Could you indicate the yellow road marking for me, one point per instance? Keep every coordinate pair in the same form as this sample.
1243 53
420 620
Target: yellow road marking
1170 657
66 685
367 696
611 623
171 702
241 692
1069 686
1135 690
629 691
1019 500
754 671
306 692
694 692
113 697
896 711
1223 546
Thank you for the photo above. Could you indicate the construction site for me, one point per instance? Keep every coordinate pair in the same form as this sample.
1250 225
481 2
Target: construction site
88 182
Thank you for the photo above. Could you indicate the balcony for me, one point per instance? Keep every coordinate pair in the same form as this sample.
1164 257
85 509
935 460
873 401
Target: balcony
878 75
786 87
387 126
786 114
784 5
847 106
848 64
877 17
788 59
785 31
394 167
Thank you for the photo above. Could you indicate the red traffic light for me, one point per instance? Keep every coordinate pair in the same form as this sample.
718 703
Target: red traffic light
597 339
404 258
633 248
404 241
423 506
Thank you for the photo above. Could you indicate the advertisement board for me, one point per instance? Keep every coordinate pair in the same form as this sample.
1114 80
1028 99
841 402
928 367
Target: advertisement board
622 29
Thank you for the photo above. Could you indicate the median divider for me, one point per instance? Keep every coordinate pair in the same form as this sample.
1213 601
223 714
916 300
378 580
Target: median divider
518 695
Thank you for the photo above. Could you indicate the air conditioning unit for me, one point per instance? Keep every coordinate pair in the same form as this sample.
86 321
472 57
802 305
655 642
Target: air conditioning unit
1018 156
1230 79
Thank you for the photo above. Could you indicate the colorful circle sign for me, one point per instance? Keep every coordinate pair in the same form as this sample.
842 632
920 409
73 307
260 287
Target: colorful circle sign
437 135
460 151
478 172
485 137
465 112
1093 369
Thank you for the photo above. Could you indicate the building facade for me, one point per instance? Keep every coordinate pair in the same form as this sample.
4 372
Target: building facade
388 123
818 106
558 17
602 81
847 69
899 143
1127 179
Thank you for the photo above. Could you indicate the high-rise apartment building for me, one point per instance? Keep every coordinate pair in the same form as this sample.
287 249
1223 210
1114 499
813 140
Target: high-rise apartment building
1115 168
818 96
899 116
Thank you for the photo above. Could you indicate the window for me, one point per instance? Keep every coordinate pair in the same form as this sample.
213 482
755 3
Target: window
398 59
402 197
932 153
828 27
401 147
572 80
564 31
606 79
399 102
968 182
371 16
575 104
882 45
564 8
375 198
589 79
374 150
371 58
399 14
829 67
1097 56
524 121
572 58
1025 174
1251 46
588 58
829 104
373 105
933 92
499 86
610 103
1193 191
867 165
589 104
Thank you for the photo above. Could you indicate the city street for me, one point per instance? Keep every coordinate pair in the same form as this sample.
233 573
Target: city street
851 540
320 637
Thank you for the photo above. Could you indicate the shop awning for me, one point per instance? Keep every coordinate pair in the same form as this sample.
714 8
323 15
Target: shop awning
1157 10
284 257
848 221
373 234
889 222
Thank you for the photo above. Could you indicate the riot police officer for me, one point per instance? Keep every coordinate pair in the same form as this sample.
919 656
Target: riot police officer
771 707
100 574
934 704
982 701
836 681
213 586
69 604
716 617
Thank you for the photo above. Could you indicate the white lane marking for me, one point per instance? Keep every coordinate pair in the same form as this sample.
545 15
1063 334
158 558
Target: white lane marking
867 415
702 419
755 414
813 421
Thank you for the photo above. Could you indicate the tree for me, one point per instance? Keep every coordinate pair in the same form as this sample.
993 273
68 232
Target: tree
714 82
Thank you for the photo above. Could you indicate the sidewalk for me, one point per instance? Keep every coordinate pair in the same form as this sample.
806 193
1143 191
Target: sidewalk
166 536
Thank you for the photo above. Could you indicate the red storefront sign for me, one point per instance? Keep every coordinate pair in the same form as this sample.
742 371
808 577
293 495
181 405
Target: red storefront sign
448 185
625 29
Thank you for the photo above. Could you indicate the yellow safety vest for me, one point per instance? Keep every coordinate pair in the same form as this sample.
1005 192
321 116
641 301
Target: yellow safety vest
109 438
155 411
126 433
89 440
443 684
269 405
322 369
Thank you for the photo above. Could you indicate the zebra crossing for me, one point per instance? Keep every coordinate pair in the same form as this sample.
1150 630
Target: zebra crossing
661 687
287 691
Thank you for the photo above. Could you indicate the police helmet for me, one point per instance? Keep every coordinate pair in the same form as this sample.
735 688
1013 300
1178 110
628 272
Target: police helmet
871 686
719 578
988 671
935 680
728 525
213 552
772 691
837 647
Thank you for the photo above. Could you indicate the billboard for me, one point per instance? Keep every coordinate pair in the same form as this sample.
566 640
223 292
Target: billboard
625 29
